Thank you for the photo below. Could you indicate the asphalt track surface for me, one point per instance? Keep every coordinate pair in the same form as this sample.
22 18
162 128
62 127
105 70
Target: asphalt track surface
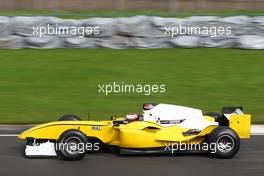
249 161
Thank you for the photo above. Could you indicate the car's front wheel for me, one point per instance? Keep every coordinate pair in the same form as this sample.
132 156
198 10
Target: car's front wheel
69 117
72 145
224 142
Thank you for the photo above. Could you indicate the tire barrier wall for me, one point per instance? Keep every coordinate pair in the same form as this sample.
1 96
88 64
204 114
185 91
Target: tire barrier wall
132 32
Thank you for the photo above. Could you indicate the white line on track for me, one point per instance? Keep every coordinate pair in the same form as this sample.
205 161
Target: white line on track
9 135
257 134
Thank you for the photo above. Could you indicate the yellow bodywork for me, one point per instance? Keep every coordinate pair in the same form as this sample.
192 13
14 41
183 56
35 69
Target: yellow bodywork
241 124
137 134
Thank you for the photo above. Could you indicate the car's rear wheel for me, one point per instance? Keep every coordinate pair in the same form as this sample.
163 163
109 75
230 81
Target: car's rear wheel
72 145
69 117
224 142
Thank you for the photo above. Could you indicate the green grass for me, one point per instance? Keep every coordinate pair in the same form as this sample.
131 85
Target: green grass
127 13
41 85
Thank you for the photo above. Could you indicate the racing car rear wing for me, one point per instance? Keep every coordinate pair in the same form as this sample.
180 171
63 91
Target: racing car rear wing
237 120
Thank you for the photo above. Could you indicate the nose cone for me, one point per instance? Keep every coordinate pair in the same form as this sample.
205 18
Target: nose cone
27 133
22 135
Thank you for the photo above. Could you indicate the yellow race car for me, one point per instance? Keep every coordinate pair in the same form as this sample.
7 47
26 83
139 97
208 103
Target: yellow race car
163 128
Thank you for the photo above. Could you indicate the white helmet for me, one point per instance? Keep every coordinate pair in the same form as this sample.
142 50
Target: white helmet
132 116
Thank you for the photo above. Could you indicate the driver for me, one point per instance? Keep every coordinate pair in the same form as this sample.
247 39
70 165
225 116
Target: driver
132 117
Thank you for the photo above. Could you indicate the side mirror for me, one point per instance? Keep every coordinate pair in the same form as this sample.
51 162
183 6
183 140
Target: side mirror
115 123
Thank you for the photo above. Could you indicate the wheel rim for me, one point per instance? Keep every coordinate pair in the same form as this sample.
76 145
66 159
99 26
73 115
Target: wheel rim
72 147
225 143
